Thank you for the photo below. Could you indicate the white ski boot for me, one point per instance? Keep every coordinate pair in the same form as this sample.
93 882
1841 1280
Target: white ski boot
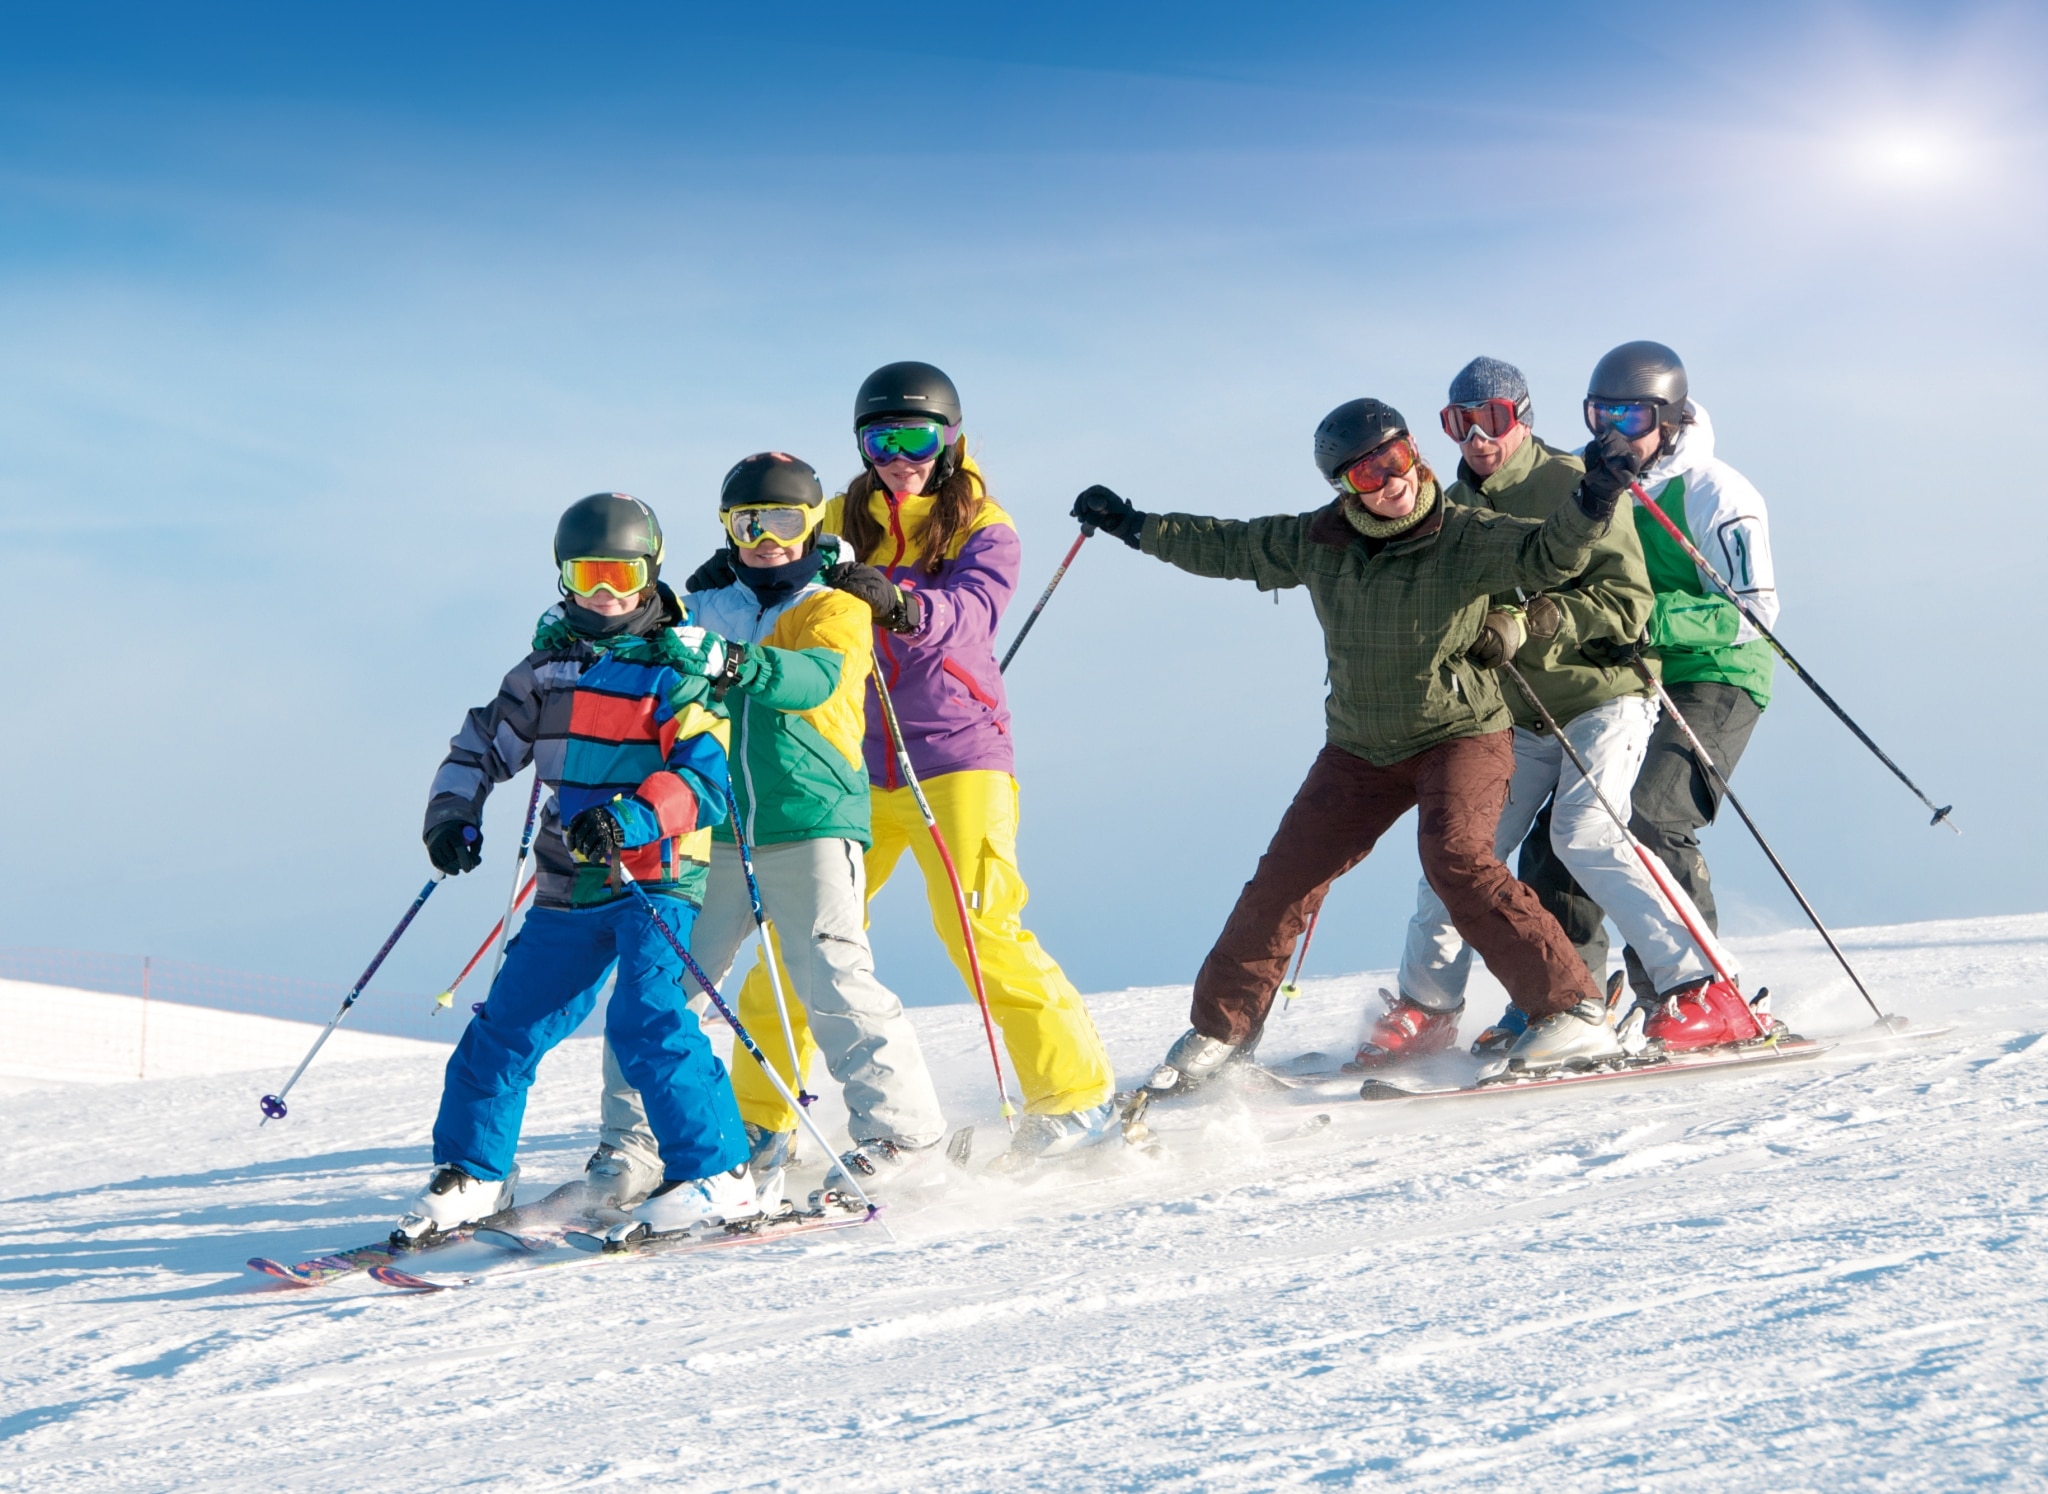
722 1198
453 1198
1575 1038
1040 1137
885 1161
1189 1064
619 1177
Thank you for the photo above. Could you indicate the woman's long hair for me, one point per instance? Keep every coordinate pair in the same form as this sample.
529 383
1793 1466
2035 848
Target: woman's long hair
955 506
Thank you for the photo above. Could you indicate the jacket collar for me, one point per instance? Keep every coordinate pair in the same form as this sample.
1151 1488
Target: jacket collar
1330 527
1513 472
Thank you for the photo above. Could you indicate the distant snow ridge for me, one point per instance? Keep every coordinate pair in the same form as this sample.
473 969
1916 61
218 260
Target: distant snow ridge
57 1035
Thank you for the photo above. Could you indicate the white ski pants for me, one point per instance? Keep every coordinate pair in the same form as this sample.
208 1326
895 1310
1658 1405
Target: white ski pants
1612 738
815 895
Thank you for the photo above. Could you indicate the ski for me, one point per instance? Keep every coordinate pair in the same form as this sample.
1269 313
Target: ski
580 1248
321 1269
1316 1066
1787 1050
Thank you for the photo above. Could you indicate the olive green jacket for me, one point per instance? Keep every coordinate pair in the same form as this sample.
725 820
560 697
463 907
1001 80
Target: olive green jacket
1610 600
1397 615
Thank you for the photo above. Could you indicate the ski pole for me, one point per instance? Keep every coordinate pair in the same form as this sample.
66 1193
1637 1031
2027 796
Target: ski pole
447 998
1650 863
518 866
931 823
1018 642
273 1105
741 1034
739 835
1292 988
1678 536
1713 772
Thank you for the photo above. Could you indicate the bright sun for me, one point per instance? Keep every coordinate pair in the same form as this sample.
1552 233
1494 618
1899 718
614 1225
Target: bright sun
1906 156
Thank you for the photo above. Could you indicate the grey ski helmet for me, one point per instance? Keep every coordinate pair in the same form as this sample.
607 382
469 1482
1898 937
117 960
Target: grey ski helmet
1351 430
909 388
770 477
608 526
1645 373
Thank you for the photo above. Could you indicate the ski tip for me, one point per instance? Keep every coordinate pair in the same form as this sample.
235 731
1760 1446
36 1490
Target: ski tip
1380 1089
391 1276
263 1265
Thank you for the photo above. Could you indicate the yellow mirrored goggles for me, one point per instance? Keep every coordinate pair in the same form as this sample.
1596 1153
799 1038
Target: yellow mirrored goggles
786 523
624 579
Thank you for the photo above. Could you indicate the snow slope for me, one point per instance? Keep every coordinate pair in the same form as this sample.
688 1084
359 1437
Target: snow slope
1826 1276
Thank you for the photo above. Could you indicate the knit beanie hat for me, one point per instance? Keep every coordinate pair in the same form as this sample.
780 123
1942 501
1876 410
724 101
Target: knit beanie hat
1489 378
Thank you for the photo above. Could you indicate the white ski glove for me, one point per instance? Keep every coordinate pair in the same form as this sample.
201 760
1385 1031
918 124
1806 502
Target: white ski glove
704 651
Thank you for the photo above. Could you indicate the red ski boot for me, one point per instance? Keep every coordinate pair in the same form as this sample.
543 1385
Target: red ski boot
1406 1031
1706 1015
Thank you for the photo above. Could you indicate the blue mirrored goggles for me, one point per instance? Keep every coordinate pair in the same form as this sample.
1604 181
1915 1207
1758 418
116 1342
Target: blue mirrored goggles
1634 418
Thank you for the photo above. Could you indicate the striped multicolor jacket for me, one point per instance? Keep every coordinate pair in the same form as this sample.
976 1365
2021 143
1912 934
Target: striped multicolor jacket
601 717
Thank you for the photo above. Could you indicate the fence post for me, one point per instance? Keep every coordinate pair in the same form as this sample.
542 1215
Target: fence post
142 1053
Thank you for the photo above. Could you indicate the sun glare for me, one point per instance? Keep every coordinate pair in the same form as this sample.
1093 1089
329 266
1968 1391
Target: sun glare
1908 157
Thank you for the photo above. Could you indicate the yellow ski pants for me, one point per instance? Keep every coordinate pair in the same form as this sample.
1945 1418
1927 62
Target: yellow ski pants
1059 1058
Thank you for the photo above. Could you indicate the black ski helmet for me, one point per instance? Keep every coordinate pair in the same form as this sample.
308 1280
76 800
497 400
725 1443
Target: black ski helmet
608 526
770 477
1351 430
909 388
1640 371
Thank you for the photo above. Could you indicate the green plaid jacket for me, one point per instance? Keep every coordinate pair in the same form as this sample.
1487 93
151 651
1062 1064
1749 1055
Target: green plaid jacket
1396 618
1610 599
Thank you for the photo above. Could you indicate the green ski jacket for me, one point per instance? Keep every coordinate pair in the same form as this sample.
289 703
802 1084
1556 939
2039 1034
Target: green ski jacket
1397 616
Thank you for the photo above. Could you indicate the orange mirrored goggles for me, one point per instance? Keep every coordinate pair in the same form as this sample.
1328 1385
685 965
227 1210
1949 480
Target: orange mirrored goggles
1395 458
622 578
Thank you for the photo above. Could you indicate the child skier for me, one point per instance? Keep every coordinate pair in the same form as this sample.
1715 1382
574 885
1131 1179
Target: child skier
618 715
798 654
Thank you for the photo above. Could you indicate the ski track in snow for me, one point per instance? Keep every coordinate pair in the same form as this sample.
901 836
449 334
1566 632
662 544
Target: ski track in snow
1822 1277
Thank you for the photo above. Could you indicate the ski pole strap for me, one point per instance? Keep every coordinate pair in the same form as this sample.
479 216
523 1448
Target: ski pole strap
1025 631
1715 579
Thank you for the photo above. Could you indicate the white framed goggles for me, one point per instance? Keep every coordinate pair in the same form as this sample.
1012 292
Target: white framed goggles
786 523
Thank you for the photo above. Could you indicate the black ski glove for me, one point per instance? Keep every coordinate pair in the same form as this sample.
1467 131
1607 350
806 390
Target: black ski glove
894 608
1099 508
455 846
1500 636
1611 465
1612 653
713 574
594 835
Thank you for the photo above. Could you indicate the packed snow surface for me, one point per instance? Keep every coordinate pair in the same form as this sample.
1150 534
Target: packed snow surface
1822 1275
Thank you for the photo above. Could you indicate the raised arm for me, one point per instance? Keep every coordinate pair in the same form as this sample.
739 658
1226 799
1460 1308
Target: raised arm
1267 551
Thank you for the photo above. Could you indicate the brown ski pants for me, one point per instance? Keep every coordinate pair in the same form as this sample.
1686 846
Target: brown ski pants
1341 810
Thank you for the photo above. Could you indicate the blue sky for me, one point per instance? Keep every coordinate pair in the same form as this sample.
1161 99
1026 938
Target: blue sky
311 325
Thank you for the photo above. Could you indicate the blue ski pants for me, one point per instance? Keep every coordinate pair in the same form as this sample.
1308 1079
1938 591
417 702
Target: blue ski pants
553 970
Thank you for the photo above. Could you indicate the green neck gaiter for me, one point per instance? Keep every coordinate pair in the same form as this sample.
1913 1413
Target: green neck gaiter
1373 527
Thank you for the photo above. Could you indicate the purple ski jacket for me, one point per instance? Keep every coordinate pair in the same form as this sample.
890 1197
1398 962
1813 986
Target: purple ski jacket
943 678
